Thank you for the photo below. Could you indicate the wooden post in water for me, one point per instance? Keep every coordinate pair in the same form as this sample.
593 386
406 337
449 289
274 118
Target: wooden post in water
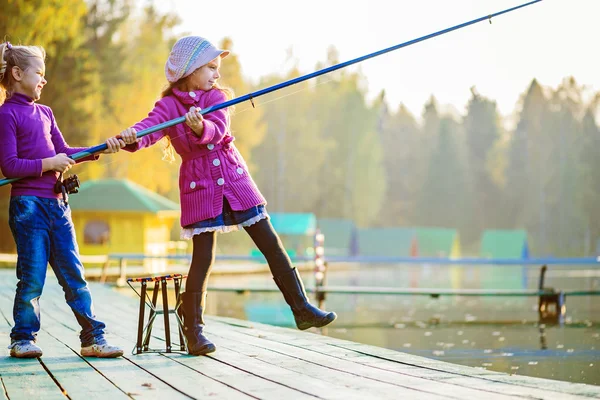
320 267
552 307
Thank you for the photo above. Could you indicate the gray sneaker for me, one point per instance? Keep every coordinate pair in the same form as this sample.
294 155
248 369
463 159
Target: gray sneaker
24 349
101 350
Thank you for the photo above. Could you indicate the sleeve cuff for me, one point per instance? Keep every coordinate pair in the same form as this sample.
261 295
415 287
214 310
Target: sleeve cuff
38 167
201 140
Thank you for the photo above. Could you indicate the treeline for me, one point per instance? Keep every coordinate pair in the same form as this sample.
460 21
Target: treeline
321 146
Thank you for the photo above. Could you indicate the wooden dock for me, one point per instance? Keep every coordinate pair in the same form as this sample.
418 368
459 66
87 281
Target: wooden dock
252 361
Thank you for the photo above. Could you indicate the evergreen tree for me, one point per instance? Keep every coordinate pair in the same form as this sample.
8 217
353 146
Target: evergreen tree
565 135
590 185
482 131
526 188
290 159
443 197
400 136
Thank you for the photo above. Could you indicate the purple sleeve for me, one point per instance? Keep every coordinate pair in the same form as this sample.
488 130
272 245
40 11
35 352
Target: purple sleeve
158 115
11 165
60 146
215 123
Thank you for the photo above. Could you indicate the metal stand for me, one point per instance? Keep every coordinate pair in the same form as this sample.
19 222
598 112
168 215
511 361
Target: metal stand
145 330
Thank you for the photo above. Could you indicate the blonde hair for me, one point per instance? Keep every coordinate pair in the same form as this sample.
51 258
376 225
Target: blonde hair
168 152
15 56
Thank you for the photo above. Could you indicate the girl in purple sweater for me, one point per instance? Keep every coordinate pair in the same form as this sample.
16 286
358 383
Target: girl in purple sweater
216 191
33 148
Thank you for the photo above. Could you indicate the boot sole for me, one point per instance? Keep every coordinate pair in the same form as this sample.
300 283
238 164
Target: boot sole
29 354
204 350
324 322
113 354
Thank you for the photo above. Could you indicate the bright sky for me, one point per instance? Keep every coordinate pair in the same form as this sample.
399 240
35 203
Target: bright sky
548 40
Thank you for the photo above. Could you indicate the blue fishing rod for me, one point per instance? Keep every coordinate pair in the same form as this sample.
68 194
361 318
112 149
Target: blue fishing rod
258 93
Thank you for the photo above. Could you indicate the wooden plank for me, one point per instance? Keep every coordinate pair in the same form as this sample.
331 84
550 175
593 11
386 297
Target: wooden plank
183 372
244 381
510 384
438 370
185 379
383 389
261 361
23 378
75 376
210 367
432 368
340 363
150 375
26 379
295 373
330 384
295 379
482 381
69 372
520 383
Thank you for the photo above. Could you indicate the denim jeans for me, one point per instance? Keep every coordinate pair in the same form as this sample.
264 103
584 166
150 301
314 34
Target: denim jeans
44 233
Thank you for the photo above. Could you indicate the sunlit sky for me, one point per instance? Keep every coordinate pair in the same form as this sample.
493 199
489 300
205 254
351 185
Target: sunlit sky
549 40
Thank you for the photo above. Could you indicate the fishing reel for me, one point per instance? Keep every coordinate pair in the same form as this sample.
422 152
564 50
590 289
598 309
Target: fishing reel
67 186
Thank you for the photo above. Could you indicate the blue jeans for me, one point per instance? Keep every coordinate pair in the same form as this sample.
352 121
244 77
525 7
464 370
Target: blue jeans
44 233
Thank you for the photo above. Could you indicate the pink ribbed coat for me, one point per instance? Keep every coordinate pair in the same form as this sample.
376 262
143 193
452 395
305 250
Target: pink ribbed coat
211 168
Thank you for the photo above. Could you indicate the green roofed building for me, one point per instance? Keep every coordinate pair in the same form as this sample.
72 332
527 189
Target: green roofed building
504 244
438 242
340 236
303 224
387 242
296 230
119 216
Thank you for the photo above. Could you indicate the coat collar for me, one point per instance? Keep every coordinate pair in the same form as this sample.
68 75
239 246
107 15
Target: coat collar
191 98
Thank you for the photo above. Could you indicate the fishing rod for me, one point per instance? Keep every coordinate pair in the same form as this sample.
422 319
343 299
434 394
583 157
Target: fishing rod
253 95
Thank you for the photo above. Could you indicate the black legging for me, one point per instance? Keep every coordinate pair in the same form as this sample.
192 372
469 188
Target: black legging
203 257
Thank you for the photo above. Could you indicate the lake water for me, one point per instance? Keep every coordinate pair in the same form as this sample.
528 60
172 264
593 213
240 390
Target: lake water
495 333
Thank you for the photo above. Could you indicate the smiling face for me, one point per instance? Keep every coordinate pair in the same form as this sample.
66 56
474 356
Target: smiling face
205 77
31 80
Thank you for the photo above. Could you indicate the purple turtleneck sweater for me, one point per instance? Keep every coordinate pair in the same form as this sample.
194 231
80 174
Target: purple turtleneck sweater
28 134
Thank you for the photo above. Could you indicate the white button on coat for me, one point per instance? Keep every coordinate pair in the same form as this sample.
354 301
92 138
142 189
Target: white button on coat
240 171
216 162
210 146
192 185
192 94
220 181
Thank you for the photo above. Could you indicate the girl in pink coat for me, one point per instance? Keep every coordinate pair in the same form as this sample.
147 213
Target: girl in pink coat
217 193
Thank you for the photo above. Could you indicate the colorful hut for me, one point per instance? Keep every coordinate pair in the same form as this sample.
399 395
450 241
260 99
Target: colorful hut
504 244
387 242
296 230
119 216
438 242
340 236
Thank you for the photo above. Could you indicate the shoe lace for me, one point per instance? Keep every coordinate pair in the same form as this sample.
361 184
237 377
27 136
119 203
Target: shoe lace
18 343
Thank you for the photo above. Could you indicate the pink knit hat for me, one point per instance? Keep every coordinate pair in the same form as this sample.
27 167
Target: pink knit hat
189 54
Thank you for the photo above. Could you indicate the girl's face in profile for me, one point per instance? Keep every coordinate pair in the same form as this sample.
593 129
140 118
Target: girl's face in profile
30 81
205 77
